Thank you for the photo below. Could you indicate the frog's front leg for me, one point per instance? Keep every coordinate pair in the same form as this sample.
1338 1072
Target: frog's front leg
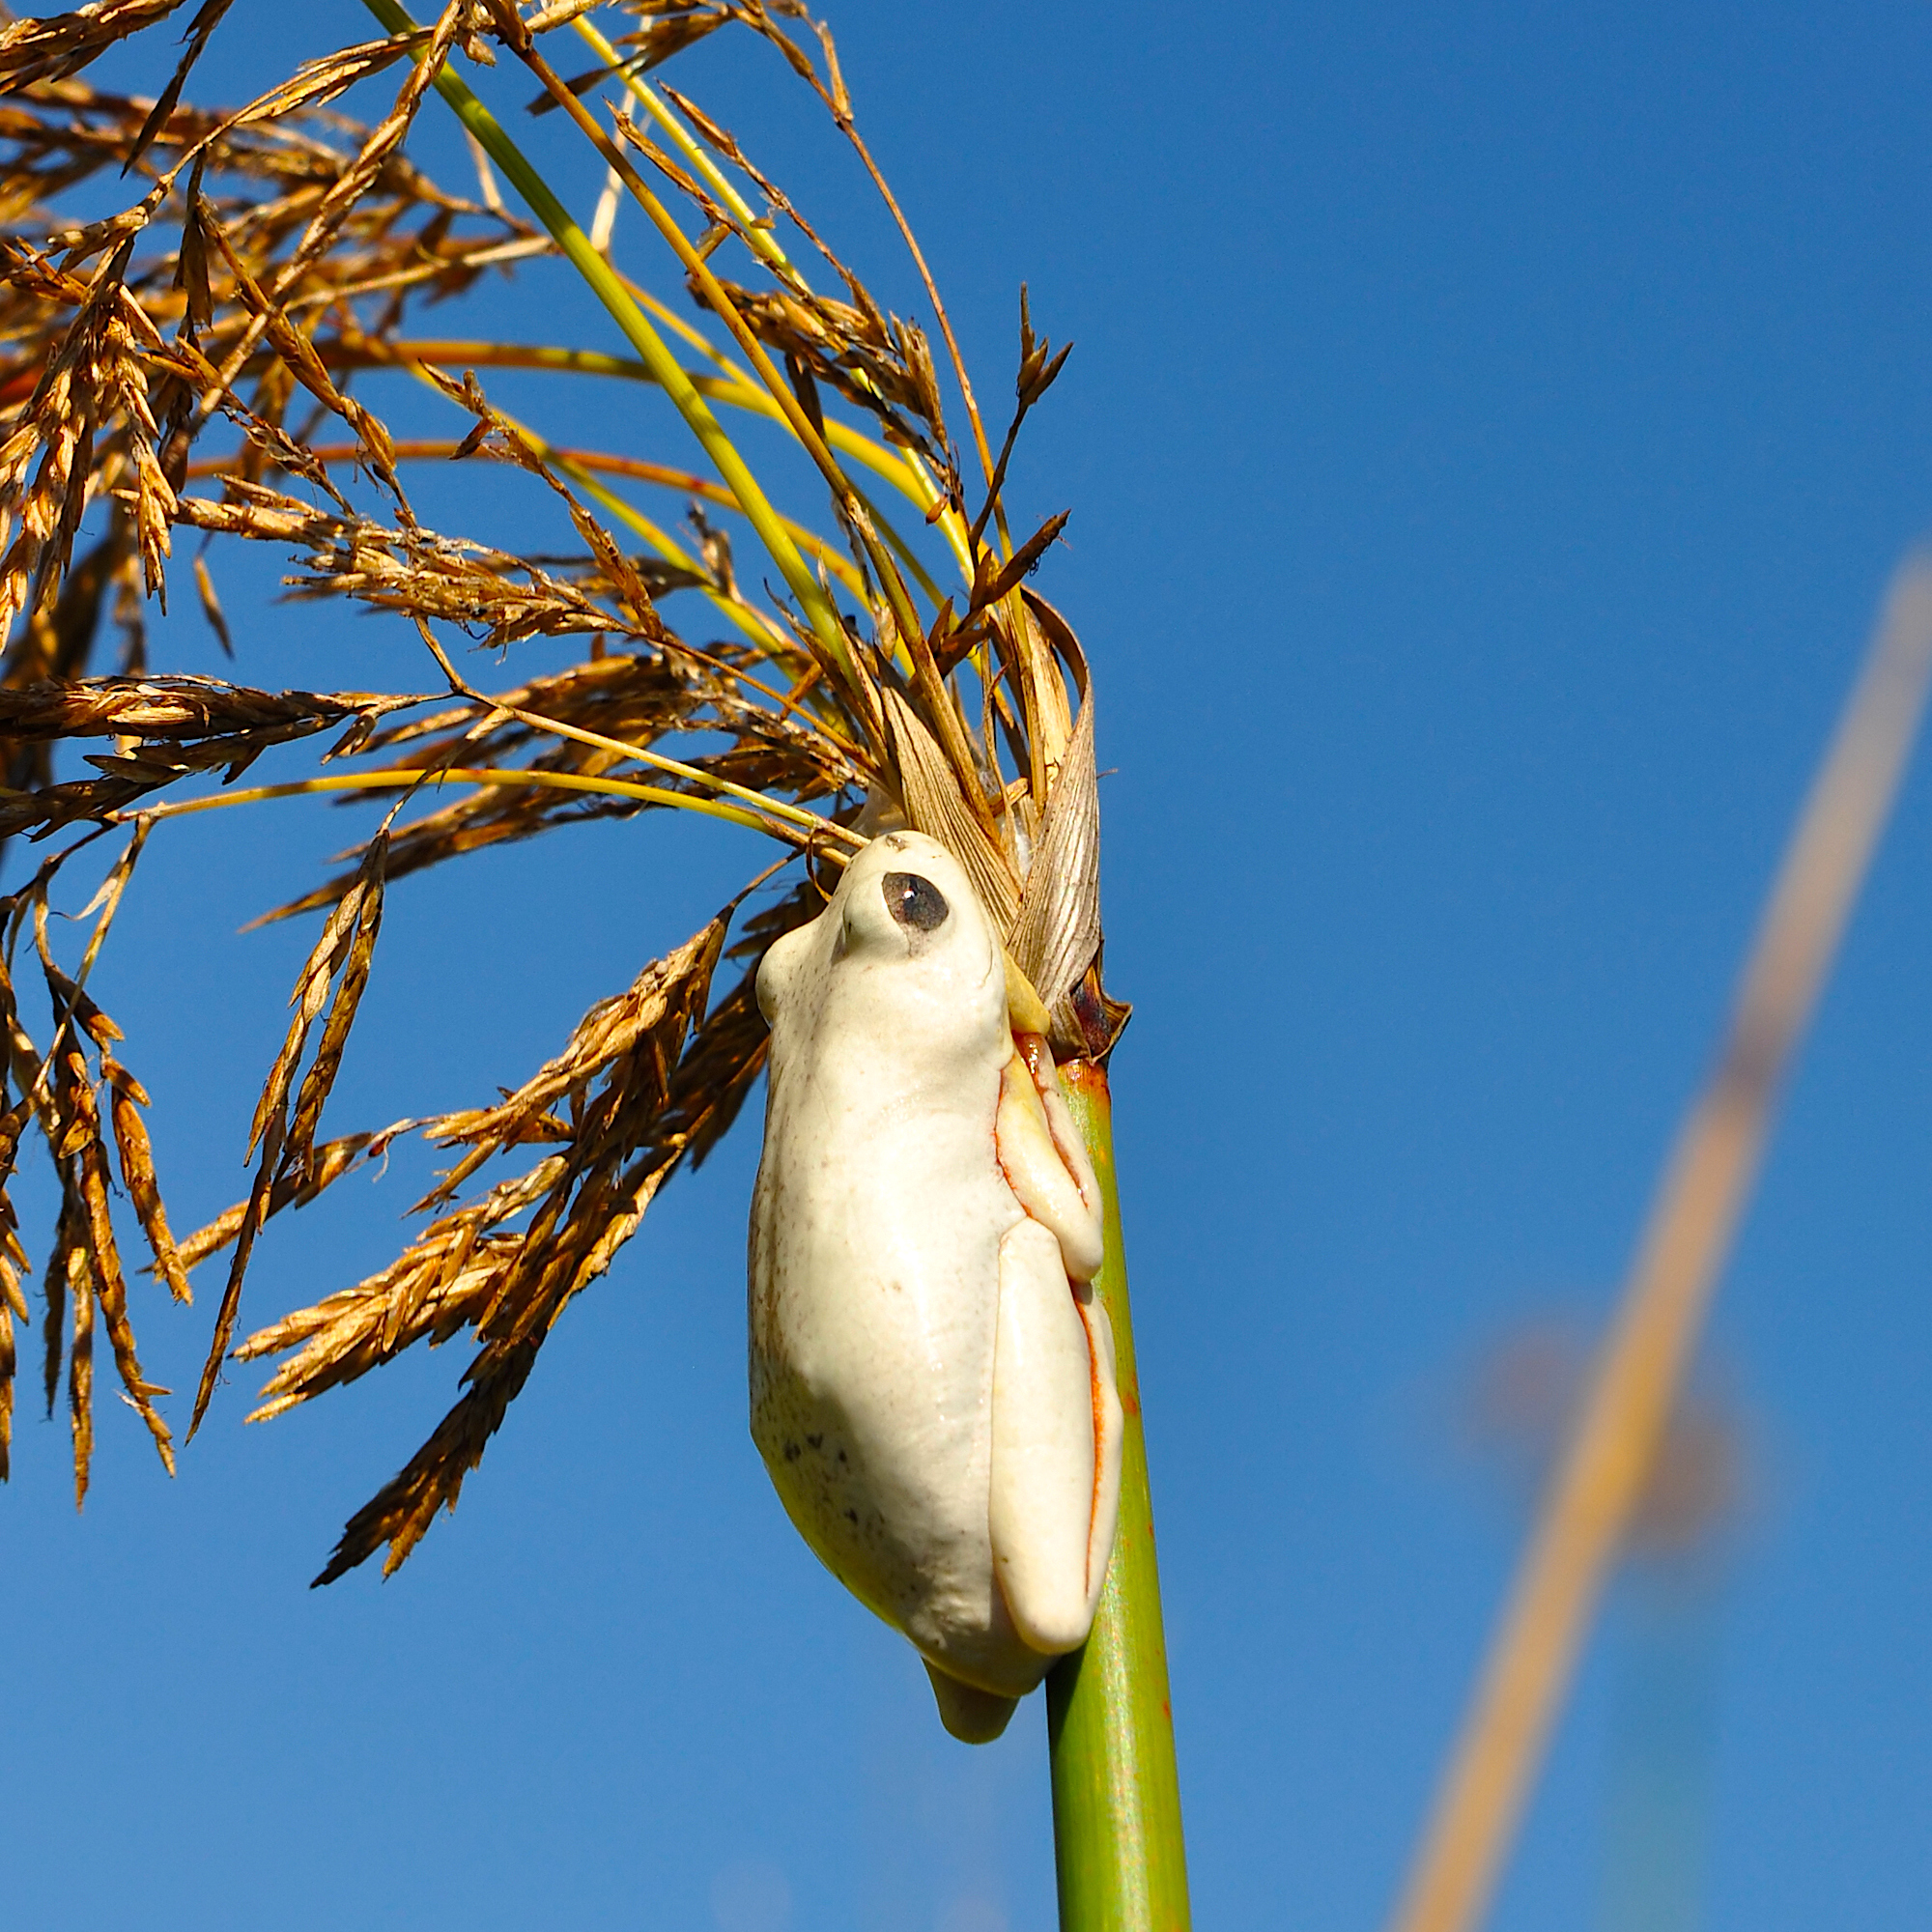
1044 1164
1056 1445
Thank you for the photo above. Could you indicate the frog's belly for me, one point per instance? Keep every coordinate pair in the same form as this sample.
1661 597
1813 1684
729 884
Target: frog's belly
875 1306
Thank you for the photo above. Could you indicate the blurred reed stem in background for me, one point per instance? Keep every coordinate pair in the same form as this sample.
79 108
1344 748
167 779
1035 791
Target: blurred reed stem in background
1700 1198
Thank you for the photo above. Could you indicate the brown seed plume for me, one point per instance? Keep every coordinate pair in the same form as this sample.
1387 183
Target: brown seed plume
220 359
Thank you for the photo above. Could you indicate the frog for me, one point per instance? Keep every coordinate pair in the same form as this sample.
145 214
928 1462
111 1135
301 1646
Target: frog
934 1387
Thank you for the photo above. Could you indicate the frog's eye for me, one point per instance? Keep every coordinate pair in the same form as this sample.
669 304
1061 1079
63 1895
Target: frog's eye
915 902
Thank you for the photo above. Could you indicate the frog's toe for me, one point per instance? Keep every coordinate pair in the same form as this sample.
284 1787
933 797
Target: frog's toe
973 1716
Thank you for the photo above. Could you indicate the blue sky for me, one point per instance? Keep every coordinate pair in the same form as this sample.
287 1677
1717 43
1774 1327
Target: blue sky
1489 435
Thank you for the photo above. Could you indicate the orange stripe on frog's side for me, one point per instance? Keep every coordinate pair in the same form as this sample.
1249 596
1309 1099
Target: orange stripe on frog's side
1032 1048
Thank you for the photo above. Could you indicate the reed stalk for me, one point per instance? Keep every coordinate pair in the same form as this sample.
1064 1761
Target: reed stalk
771 816
1116 1836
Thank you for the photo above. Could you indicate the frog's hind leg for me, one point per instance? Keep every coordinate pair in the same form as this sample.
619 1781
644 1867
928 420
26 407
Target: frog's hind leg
1055 1476
973 1716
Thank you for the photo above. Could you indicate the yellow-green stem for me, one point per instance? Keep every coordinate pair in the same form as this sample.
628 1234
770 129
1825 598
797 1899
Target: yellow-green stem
1117 1837
759 239
477 775
664 366
712 292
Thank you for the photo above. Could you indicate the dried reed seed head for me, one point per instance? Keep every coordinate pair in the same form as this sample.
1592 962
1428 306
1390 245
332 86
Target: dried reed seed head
275 250
50 49
84 1277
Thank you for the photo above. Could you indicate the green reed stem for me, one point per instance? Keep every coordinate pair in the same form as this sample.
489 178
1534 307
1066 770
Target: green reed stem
759 240
664 366
1116 1836
761 820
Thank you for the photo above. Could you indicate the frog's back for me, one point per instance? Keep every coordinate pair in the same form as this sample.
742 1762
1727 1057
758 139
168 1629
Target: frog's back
874 1261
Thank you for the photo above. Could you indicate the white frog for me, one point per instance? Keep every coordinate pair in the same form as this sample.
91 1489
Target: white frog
933 1376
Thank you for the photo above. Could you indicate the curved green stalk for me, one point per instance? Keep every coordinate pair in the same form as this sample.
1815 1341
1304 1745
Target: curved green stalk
430 777
707 288
1117 1838
759 239
758 629
762 243
665 369
589 464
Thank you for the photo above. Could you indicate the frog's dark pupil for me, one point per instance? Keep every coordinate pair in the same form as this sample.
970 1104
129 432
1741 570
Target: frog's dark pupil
914 901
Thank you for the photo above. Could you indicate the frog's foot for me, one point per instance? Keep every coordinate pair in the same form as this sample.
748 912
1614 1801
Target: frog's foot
973 1716
1056 1451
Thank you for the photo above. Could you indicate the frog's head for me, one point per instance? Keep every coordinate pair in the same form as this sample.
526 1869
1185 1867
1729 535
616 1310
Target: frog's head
905 897
905 934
